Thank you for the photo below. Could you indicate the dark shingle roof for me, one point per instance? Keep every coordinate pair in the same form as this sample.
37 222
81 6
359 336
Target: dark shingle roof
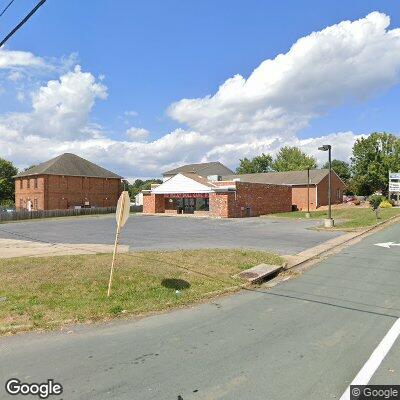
71 165
283 178
203 169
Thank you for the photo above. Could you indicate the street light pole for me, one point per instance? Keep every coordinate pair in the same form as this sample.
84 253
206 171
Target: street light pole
308 193
330 184
329 221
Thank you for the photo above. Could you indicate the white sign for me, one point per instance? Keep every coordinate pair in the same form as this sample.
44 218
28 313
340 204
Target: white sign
394 186
122 214
394 175
387 245
123 208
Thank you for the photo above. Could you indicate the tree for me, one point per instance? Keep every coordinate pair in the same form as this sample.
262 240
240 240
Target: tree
262 163
293 159
373 157
140 185
7 187
342 168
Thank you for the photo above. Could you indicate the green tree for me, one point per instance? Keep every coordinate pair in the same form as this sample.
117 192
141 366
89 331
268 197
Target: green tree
7 187
139 185
293 159
342 168
373 157
262 163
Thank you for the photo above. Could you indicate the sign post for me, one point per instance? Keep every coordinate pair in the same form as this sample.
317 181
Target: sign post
122 214
394 185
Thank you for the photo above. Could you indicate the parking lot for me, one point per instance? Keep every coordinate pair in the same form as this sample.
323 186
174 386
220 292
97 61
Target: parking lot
281 236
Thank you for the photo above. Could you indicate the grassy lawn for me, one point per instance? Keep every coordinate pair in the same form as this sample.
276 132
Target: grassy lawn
49 292
351 217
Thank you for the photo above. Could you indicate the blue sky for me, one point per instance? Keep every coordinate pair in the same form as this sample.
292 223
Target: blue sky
155 53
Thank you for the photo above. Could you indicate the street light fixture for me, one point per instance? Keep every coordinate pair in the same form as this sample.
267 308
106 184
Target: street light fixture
329 221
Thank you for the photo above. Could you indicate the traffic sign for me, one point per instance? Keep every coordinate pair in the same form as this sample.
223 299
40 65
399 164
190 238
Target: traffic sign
121 215
394 186
394 175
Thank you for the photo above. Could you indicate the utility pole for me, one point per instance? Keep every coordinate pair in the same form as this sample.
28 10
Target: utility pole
308 215
329 222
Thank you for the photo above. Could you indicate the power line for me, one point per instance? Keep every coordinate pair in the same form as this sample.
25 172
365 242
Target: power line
41 2
6 8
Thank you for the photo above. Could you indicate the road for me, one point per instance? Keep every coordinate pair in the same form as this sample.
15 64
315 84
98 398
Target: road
157 232
306 338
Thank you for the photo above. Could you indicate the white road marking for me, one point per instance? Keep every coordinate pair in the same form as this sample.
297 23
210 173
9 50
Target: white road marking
387 245
370 367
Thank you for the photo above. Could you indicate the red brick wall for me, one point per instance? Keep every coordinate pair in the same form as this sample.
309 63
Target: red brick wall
25 190
153 203
299 197
337 184
260 198
60 192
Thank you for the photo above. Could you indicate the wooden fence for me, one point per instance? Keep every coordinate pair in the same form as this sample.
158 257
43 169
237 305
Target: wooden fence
20 215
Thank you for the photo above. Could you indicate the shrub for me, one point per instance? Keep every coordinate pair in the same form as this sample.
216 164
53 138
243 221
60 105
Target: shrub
375 200
385 204
356 202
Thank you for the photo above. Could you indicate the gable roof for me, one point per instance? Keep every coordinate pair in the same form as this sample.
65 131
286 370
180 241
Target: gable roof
286 178
184 183
70 165
202 169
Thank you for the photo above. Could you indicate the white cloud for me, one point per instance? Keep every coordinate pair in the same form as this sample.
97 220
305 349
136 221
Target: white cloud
139 134
322 70
347 61
61 108
12 59
131 113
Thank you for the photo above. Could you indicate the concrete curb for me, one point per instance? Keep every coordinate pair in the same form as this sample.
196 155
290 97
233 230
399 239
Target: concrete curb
334 245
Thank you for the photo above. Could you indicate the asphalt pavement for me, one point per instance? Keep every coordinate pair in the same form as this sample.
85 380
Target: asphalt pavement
284 236
306 338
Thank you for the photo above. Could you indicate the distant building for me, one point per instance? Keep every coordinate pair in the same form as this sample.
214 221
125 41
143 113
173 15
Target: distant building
189 193
205 189
66 181
204 169
298 181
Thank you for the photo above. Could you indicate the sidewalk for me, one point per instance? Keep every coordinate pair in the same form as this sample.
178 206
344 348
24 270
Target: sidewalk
10 248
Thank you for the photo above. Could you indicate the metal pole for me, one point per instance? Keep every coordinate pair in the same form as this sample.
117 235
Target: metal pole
308 190
329 186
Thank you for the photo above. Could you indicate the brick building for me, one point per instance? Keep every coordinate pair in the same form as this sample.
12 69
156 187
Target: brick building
318 186
191 193
66 181
200 189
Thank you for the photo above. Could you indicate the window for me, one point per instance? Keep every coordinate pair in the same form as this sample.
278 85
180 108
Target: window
28 183
338 194
35 185
20 183
35 204
21 203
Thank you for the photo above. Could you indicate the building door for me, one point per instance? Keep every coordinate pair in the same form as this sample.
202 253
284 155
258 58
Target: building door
189 206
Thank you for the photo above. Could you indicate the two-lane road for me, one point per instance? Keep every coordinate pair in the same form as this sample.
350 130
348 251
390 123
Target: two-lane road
307 338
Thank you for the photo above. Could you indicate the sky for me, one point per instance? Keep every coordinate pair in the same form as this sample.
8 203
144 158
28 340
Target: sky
142 87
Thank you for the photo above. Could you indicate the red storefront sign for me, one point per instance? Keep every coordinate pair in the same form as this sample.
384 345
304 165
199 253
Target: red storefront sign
187 196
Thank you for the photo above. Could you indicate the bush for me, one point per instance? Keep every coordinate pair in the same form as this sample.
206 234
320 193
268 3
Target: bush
375 200
385 204
356 202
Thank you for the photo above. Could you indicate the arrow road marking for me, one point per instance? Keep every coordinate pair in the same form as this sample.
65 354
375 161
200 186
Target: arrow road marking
387 245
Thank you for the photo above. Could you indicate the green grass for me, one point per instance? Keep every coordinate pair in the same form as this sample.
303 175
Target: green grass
349 218
49 292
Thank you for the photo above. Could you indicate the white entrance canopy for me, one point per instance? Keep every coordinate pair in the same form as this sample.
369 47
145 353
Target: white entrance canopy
183 184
